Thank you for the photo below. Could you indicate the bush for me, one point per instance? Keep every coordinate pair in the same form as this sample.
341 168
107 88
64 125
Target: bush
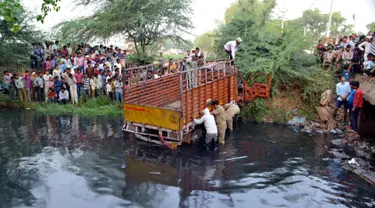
140 59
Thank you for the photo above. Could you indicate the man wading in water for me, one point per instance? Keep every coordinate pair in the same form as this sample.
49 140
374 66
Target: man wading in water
221 120
210 125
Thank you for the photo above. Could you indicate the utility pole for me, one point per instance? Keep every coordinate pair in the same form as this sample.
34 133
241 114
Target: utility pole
329 22
355 31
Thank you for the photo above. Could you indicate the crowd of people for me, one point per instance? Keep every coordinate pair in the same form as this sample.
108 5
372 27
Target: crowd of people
350 56
64 74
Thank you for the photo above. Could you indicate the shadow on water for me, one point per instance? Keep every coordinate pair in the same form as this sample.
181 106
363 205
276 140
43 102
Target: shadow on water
68 161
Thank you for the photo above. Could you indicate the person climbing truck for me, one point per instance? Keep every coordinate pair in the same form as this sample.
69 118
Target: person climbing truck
210 125
231 109
221 120
231 48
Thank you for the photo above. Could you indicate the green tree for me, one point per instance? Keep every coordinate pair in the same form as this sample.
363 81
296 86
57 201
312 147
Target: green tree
144 22
266 49
316 23
229 13
9 10
371 26
206 42
16 48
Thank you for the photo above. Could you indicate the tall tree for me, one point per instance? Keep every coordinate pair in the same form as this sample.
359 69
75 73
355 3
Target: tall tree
371 26
206 42
9 10
16 47
316 23
142 21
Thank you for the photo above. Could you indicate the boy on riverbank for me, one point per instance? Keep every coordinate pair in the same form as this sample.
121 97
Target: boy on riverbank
342 92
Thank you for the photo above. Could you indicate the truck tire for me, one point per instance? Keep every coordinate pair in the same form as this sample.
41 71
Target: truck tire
197 136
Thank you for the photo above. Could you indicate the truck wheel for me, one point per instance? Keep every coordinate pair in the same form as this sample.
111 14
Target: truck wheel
196 136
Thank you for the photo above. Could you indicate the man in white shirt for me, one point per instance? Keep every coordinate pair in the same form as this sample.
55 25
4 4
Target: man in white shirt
47 83
63 96
209 124
231 48
55 46
69 48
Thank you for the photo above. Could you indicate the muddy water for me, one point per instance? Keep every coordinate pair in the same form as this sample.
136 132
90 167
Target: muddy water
48 161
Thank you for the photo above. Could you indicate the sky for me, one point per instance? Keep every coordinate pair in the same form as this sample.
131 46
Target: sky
207 13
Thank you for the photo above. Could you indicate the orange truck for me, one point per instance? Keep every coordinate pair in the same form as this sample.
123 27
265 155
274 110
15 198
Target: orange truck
160 109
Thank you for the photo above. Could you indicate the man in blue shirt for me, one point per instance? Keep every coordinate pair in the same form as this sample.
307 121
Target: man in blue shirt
342 92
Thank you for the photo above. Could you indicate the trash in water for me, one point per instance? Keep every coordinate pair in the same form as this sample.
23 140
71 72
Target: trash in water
123 166
339 131
353 162
297 120
333 132
231 159
155 173
339 142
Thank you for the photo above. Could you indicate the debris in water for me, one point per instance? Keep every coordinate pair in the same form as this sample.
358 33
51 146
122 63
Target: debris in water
353 162
298 120
123 166
333 132
339 131
155 173
231 159
339 142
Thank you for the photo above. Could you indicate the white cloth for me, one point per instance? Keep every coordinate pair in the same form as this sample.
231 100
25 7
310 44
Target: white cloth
64 95
73 93
231 46
209 122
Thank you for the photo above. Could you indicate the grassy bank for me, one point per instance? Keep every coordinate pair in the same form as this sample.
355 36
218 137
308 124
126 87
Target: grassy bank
101 106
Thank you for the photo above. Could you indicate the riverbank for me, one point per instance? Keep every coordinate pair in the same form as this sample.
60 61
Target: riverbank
100 106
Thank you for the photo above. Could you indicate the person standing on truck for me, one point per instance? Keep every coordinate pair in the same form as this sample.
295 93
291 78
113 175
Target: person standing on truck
231 48
209 124
221 120
231 110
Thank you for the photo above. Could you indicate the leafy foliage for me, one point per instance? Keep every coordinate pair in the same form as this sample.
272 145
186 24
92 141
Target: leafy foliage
316 23
10 9
206 42
16 48
266 49
144 22
371 26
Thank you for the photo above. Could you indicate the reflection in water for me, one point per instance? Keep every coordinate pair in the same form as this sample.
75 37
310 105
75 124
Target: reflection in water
68 161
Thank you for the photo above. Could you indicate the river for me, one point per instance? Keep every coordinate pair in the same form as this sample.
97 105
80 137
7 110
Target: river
68 161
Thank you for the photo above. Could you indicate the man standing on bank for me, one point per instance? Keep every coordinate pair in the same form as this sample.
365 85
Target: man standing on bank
221 120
